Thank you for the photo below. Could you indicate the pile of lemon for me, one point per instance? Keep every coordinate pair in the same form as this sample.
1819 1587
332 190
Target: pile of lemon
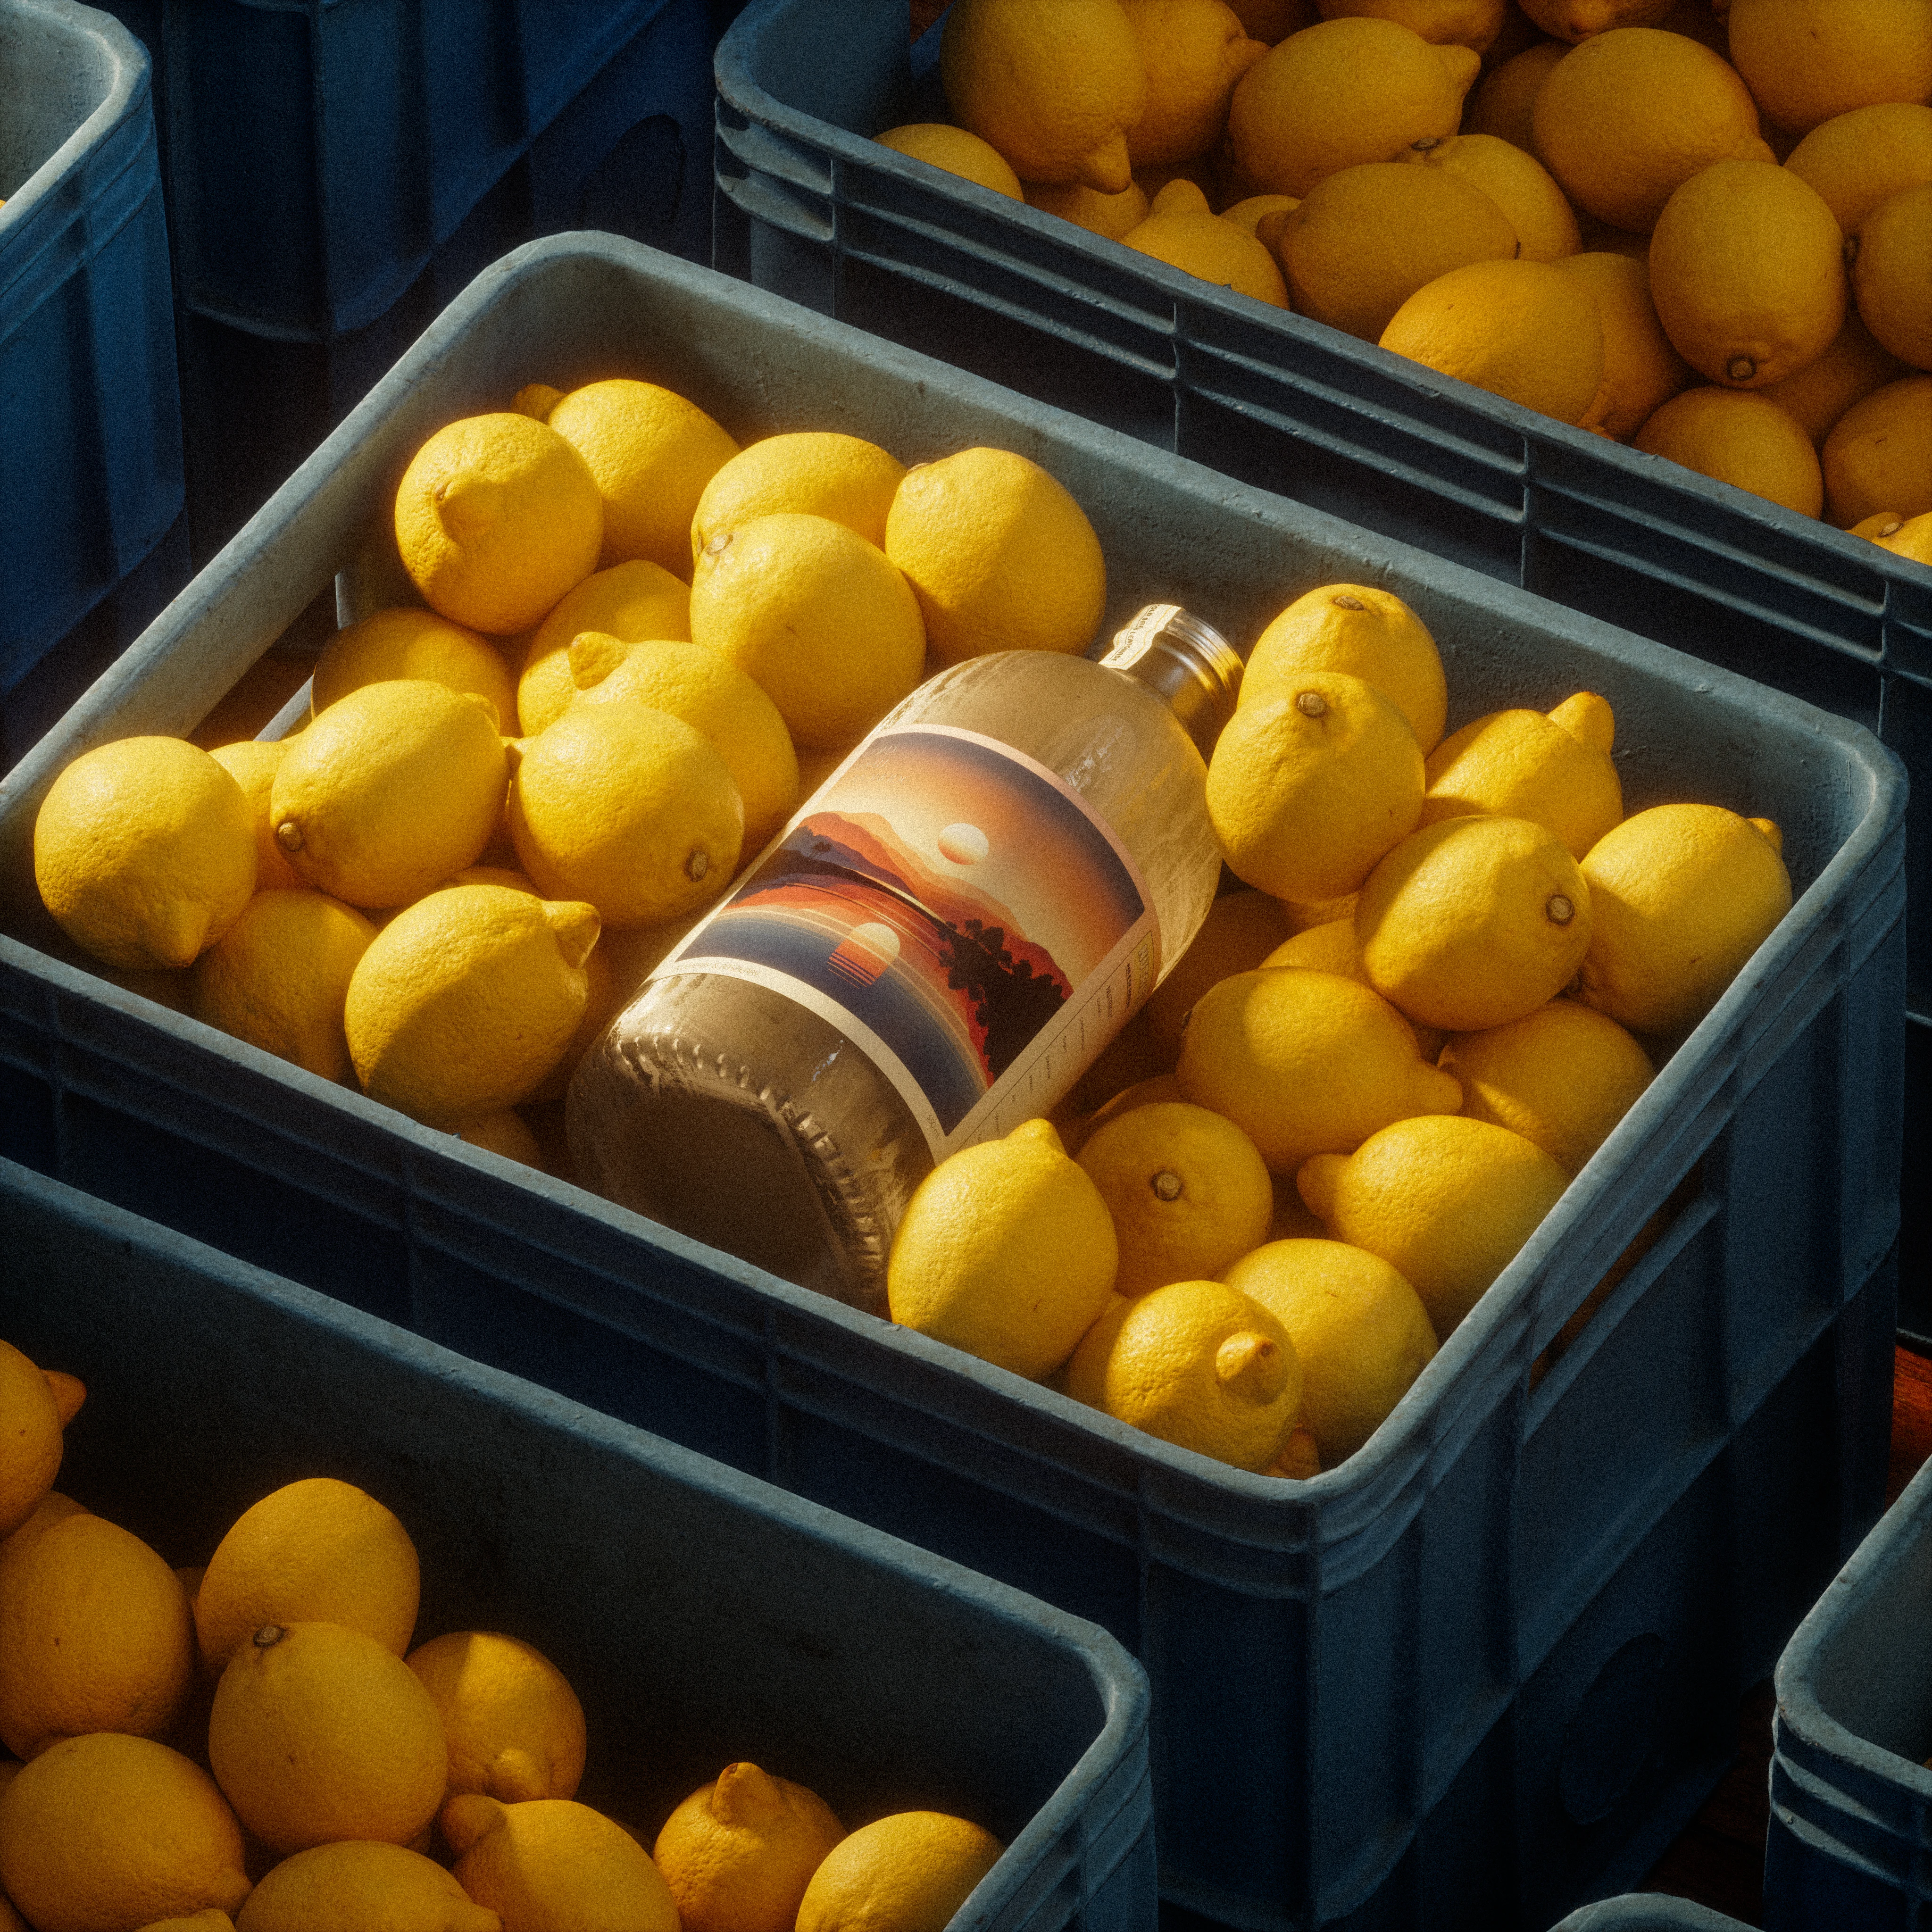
253 1745
1703 227
1452 966
638 646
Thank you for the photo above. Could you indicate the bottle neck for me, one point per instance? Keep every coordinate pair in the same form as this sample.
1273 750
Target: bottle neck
1185 662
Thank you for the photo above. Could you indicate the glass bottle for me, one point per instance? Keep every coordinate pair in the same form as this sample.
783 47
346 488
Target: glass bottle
944 937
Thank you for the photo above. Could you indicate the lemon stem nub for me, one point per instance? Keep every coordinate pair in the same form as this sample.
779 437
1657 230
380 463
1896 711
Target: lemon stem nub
717 545
1251 1366
1311 704
1167 1184
1421 147
697 865
1344 602
1741 369
269 1634
1560 909
288 836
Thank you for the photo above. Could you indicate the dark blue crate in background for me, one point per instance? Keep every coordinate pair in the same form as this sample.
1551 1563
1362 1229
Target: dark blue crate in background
809 206
337 170
92 539
1851 1801
1485 1669
1652 1912
700 1615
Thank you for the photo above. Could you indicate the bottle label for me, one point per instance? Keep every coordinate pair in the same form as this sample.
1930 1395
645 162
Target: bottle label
960 914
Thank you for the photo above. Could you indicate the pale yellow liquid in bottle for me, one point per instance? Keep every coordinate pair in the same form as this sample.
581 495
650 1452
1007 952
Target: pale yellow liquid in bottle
736 1116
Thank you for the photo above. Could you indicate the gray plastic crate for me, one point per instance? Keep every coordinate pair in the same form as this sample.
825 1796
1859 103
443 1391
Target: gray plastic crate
1483 1671
1649 1912
700 1615
1851 1800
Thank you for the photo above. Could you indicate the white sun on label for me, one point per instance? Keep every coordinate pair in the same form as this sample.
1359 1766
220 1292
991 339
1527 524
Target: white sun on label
880 940
865 952
964 845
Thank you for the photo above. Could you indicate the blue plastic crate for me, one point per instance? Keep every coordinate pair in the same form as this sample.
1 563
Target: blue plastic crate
1650 1912
700 1615
90 416
337 170
1851 1801
1483 1671
809 206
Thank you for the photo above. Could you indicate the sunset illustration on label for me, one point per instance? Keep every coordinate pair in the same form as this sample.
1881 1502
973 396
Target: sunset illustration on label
947 894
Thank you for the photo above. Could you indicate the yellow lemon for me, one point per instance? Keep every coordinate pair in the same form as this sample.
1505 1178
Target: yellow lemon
910 1872
513 1724
1054 85
1857 159
1562 1076
1251 213
1641 369
1112 215
465 1000
1332 948
1366 237
1360 1334
1741 437
504 1131
1471 923
407 642
1553 769
815 615
1848 371
551 1864
1194 51
1306 1062
1447 1202
317 1550
740 1851
1626 118
1200 243
1524 330
999 555
279 978
1504 101
94 1636
711 694
212 1919
1878 454
1516 181
632 602
252 763
1905 536
30 1439
628 809
1473 24
362 1886
1006 1250
1188 1191
1748 272
1310 784
1806 60
651 452
958 152
1141 1093
1198 1364
1370 633
818 472
1890 270
144 851
1342 92
1241 929
391 788
320 1732
496 517
1574 20
107 1830
1682 896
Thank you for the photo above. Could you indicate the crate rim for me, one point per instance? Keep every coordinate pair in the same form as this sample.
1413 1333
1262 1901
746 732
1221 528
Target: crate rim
1120 1683
1410 1439
131 76
1799 1710
738 91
